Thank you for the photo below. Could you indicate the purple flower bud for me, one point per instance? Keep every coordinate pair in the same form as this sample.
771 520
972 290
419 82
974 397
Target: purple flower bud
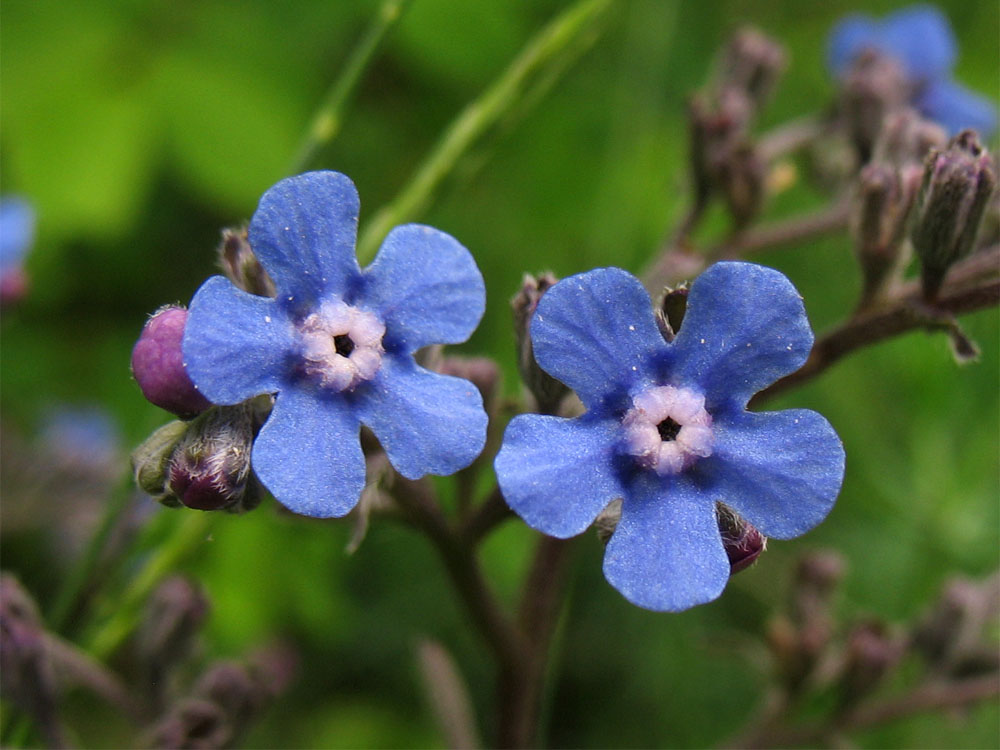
548 391
753 62
158 364
209 468
742 541
956 188
175 613
875 86
871 654
906 138
192 723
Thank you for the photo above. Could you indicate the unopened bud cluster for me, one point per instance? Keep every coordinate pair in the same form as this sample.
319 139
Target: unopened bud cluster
548 391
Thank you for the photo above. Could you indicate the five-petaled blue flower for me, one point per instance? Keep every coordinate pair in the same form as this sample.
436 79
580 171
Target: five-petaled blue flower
920 39
335 345
666 428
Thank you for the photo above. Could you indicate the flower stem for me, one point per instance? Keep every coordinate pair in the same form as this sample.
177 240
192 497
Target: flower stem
327 121
480 114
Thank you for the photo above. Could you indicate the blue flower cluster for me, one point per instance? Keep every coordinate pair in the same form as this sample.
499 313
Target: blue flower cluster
336 346
666 428
921 40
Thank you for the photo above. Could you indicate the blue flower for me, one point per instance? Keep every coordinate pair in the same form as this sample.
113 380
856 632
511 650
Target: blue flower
921 40
335 345
666 427
17 233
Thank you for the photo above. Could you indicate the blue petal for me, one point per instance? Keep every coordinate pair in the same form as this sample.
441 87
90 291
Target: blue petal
425 287
308 454
556 473
744 328
849 38
17 231
303 233
781 471
596 333
235 344
667 553
921 38
427 423
957 108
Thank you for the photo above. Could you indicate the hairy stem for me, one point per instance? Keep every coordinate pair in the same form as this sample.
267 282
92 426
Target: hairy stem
964 292
327 121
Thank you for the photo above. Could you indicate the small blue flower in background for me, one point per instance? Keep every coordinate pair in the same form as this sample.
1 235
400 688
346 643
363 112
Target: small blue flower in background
336 346
666 428
17 234
921 40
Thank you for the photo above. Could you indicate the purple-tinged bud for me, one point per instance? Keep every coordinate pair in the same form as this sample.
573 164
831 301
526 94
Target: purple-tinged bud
192 723
670 311
482 372
742 541
870 654
231 687
548 391
906 138
175 613
607 520
954 625
240 264
752 62
158 364
741 177
956 188
209 468
875 86
882 201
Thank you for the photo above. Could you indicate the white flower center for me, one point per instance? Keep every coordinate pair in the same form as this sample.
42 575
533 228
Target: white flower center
667 429
341 345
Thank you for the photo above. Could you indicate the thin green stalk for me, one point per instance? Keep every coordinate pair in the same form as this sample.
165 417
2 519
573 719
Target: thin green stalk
328 119
112 632
482 113
79 575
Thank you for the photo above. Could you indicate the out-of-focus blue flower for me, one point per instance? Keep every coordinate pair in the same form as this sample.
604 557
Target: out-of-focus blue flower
17 234
921 40
666 428
82 437
335 345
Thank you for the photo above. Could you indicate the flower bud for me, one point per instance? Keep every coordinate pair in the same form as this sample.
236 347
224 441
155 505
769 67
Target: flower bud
956 188
192 723
906 138
548 391
871 653
231 687
742 541
670 312
752 62
881 206
158 364
209 468
240 264
175 613
874 87
741 177
955 624
151 460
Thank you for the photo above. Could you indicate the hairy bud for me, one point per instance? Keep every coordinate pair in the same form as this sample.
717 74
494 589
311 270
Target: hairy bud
210 465
752 62
874 87
241 266
548 391
151 460
158 364
956 188
670 311
742 541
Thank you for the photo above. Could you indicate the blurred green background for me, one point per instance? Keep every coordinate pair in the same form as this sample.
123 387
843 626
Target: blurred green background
139 129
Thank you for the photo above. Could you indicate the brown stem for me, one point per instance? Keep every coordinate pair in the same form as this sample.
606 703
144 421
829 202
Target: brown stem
965 292
521 697
417 500
827 220
493 511
931 696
